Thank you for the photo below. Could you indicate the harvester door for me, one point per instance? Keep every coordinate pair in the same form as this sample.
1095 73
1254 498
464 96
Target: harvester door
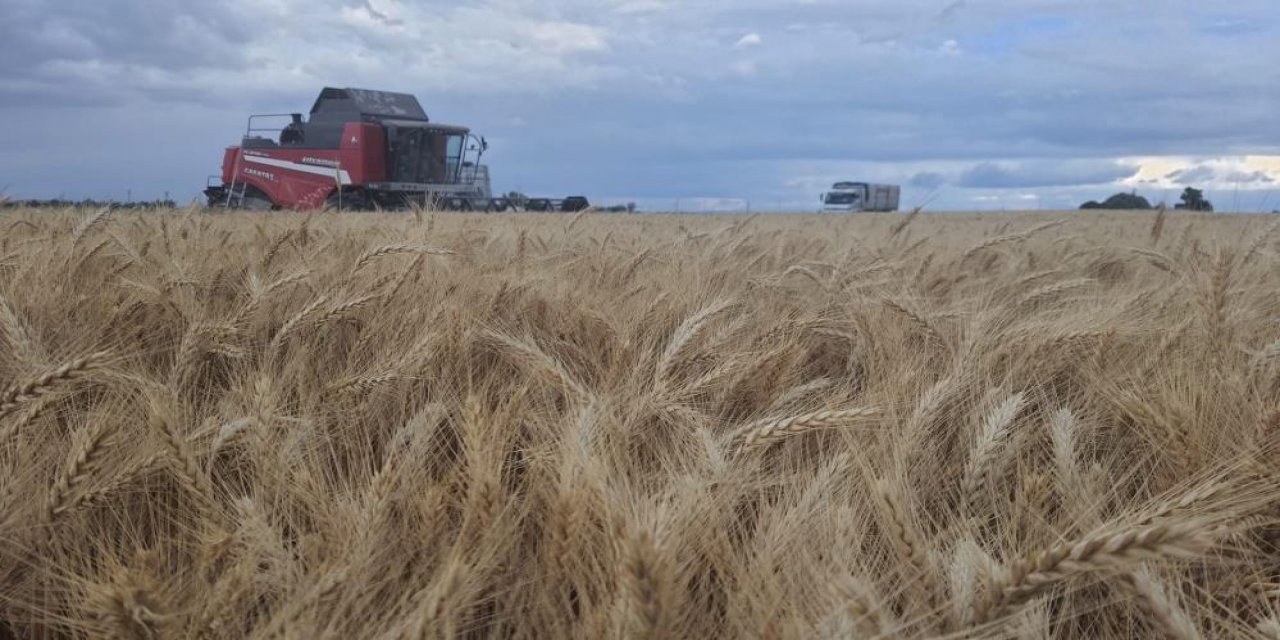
406 155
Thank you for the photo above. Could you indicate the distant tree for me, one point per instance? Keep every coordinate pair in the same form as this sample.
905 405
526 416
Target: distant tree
1193 200
1120 202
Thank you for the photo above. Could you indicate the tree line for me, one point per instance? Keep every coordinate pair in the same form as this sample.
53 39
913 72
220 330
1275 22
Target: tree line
1190 200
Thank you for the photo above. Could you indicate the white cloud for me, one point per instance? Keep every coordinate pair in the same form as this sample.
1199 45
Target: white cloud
748 41
1228 172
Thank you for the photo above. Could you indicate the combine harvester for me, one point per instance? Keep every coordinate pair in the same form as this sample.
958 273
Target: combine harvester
361 150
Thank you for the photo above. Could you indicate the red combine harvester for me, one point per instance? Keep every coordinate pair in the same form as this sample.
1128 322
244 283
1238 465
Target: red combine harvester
358 150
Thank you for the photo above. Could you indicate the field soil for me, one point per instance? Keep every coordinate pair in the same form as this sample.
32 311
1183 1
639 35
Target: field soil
428 425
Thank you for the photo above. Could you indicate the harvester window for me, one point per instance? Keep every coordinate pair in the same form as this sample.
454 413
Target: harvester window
453 155
422 155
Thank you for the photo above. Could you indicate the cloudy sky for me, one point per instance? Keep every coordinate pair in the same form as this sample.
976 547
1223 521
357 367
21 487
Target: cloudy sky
969 104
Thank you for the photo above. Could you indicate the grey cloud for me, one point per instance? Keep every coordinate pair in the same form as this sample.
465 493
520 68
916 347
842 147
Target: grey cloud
1202 173
990 175
927 180
951 11
1190 175
381 17
1252 177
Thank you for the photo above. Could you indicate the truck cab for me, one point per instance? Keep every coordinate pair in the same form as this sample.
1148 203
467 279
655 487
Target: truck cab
842 200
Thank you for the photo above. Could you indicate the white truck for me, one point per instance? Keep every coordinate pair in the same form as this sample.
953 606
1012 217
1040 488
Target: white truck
860 196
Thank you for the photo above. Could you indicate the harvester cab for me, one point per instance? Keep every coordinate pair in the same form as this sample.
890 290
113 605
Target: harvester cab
358 149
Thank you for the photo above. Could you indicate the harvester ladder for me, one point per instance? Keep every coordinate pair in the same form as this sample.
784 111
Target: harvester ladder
231 189
237 197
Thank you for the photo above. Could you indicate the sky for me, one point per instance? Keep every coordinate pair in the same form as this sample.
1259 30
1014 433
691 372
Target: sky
727 105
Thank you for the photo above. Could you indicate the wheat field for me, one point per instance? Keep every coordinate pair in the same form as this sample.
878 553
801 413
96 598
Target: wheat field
437 425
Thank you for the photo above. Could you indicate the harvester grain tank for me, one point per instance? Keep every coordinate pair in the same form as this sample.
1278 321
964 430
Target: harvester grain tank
860 196
359 149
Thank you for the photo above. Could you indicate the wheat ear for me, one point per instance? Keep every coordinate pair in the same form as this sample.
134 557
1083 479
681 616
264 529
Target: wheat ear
761 435
683 335
80 467
921 323
20 394
1161 607
185 465
1040 571
904 537
645 582
89 224
983 463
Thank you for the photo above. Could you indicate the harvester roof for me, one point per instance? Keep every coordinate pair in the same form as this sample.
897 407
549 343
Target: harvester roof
358 104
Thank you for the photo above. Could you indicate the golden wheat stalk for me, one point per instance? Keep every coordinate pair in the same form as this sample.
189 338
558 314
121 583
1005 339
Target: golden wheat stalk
683 336
394 249
1049 292
902 533
89 224
82 465
179 450
1159 605
984 462
1036 573
20 394
917 320
763 434
646 585
132 473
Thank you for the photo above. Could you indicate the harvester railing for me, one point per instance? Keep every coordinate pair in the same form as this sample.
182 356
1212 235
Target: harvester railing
250 129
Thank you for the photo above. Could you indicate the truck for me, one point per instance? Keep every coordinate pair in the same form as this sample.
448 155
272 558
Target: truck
860 196
361 149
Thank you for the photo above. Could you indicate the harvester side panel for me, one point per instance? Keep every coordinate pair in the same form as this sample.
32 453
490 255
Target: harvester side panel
304 178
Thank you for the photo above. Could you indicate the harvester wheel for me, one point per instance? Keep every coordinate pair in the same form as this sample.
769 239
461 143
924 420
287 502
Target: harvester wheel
351 201
573 204
256 204
255 200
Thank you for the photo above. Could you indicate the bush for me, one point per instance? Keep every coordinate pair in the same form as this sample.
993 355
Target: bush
1119 202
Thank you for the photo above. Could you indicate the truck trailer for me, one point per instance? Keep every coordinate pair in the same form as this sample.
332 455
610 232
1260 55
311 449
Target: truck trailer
860 196
361 149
